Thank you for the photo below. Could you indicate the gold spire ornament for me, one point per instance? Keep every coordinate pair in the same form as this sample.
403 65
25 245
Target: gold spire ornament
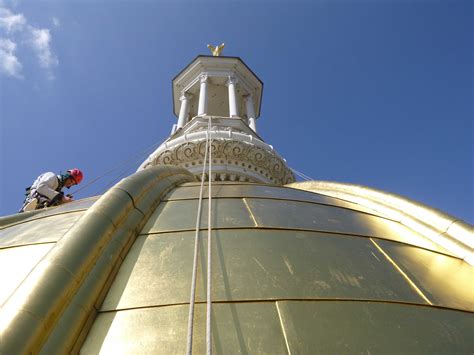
216 51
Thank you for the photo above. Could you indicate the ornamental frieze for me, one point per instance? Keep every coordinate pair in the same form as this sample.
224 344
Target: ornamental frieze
247 158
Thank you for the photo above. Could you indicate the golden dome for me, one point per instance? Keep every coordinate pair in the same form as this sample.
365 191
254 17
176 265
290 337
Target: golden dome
293 271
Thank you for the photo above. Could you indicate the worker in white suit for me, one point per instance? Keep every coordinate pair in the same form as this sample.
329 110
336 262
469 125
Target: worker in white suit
47 189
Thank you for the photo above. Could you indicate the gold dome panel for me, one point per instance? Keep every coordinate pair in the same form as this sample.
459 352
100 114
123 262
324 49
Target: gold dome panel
293 271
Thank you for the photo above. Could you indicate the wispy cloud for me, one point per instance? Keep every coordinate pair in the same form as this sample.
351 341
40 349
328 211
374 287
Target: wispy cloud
11 22
14 28
41 43
9 63
56 21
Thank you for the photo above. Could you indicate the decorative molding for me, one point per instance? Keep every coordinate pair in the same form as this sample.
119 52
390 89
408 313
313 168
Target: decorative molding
245 160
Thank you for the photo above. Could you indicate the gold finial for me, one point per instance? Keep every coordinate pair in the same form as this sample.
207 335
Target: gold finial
216 51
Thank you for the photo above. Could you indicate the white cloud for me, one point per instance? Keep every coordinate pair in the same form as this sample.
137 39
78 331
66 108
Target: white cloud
41 43
11 22
9 63
15 29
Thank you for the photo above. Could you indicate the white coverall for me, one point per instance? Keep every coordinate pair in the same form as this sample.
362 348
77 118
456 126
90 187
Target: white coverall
46 185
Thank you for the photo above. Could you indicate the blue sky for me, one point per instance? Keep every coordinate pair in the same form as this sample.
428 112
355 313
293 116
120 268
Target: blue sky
378 93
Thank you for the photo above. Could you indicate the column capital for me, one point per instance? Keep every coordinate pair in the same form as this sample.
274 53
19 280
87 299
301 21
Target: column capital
185 96
232 80
203 78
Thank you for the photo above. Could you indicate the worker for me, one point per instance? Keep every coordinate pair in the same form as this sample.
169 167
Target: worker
47 190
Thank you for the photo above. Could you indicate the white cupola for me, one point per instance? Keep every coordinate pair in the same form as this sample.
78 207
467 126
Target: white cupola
217 86
224 91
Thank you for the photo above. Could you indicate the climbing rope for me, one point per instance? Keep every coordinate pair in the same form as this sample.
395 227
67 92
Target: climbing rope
192 298
120 176
196 249
209 259
131 159
301 175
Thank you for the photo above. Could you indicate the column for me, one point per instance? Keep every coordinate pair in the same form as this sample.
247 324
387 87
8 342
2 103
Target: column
233 110
202 108
250 112
184 110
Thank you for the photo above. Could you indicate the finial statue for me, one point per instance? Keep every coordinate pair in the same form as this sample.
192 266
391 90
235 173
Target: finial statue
216 51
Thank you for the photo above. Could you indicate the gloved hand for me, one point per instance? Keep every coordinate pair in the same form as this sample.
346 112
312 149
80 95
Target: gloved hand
66 199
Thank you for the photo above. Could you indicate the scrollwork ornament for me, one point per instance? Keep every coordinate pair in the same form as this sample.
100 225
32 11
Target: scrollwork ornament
233 149
186 152
201 148
256 155
277 166
215 148
267 163
165 158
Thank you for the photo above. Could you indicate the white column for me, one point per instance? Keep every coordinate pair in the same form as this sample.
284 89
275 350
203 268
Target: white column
250 112
233 109
202 109
184 110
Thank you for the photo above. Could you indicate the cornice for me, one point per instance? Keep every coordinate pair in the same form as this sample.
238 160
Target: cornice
232 160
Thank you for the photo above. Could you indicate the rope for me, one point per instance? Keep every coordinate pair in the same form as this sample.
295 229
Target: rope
101 191
196 249
132 158
301 175
209 240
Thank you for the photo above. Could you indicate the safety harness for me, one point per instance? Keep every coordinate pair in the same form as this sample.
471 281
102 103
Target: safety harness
43 201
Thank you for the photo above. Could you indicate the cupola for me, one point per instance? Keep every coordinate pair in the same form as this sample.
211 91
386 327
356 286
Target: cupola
224 93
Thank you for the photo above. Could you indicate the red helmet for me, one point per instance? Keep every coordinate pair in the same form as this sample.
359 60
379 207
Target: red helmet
76 174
